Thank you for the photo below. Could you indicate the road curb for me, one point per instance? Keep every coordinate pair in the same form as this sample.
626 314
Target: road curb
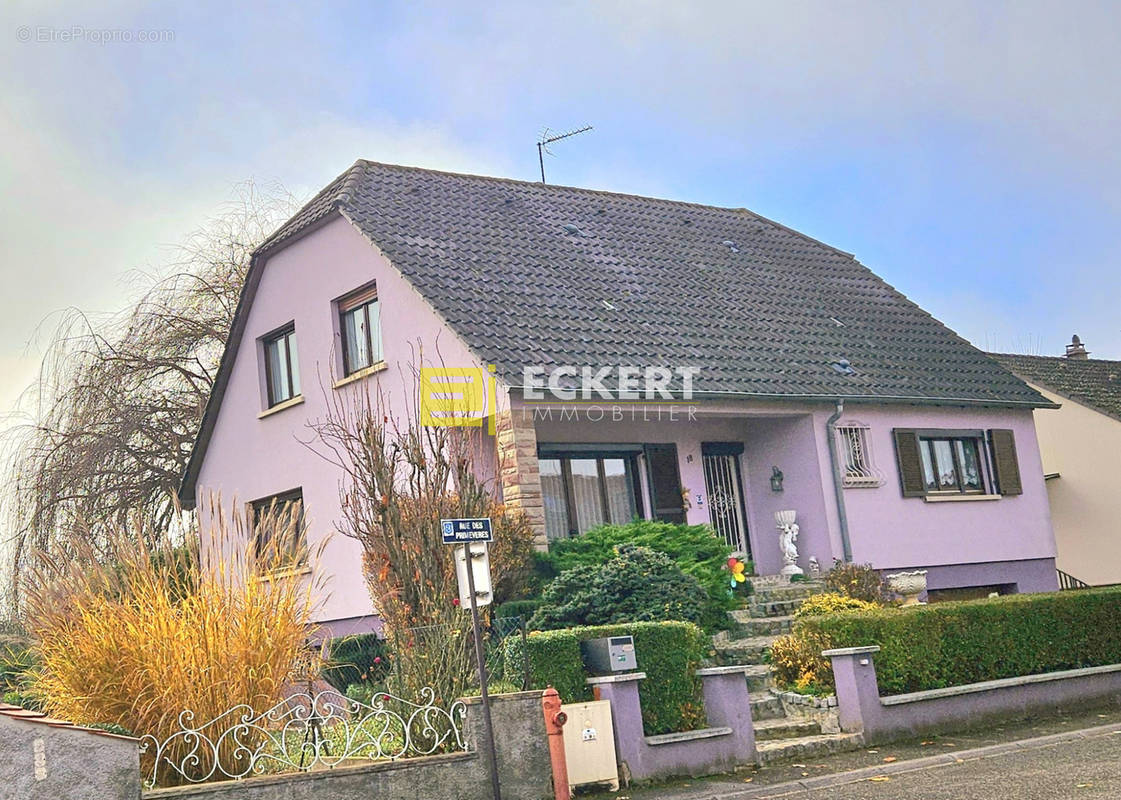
899 767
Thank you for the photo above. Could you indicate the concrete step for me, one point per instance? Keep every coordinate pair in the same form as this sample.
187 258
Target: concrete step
808 746
749 650
747 625
773 608
784 728
793 591
759 678
765 706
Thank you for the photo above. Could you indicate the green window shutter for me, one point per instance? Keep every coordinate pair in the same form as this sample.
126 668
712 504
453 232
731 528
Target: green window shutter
1002 442
909 461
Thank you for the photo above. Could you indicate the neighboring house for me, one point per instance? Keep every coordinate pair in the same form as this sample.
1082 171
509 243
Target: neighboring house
802 357
1081 447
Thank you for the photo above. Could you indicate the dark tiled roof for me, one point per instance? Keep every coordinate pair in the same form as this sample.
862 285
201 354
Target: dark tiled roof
530 274
534 274
1094 382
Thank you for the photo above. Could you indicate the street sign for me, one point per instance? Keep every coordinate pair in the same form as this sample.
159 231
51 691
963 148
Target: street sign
462 531
472 568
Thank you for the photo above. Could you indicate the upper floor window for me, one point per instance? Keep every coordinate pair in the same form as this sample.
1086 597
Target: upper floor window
278 528
282 368
360 325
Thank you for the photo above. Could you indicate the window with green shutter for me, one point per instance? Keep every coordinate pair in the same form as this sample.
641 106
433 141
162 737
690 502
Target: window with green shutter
935 462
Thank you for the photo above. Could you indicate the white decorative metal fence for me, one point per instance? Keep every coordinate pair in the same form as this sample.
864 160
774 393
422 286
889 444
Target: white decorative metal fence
302 732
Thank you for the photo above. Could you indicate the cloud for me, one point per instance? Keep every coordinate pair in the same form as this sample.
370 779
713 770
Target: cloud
960 149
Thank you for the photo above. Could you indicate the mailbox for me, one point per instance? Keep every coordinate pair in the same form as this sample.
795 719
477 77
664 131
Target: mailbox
613 654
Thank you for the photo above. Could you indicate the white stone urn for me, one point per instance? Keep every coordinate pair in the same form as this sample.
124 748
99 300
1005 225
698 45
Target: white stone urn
788 541
908 584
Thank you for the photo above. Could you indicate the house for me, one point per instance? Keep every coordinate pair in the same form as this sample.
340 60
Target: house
1081 447
774 373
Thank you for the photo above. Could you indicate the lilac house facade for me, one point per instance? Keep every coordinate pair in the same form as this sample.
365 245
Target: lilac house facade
813 386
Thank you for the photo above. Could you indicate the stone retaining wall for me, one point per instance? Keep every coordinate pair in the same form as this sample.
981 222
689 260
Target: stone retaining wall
524 768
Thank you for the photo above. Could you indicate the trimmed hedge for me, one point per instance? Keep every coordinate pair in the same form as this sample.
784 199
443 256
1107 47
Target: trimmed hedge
668 652
950 644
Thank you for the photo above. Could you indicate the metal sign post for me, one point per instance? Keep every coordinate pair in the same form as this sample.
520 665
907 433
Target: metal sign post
471 530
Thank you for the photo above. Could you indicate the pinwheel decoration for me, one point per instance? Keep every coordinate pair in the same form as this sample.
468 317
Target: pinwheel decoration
737 568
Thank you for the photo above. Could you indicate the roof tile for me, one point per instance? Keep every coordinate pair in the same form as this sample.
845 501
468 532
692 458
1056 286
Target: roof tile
1095 382
532 274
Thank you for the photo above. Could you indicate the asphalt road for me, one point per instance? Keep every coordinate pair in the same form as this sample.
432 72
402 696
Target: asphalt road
1082 768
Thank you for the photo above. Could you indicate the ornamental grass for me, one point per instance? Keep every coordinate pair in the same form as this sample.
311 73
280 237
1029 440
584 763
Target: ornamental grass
135 637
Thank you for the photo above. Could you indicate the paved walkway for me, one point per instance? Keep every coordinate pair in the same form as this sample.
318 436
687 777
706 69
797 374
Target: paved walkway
1071 768
1061 756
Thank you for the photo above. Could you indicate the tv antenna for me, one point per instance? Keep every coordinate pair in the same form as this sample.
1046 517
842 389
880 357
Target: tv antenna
546 140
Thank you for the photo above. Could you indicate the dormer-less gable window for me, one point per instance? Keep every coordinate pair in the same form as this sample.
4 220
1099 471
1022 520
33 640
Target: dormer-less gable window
360 325
282 367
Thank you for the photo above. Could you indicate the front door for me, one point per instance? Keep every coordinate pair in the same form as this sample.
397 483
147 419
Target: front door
723 485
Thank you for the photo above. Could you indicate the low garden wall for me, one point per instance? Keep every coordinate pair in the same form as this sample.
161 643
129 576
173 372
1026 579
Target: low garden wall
727 742
861 708
900 671
952 644
523 766
45 759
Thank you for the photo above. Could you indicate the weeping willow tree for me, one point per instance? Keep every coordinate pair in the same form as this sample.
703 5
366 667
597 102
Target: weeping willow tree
104 433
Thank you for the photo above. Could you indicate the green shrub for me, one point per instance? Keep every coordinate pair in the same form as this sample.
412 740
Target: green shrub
859 581
949 644
517 608
668 652
358 659
636 585
696 549
17 661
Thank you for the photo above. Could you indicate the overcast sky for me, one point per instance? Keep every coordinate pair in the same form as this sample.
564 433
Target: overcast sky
966 152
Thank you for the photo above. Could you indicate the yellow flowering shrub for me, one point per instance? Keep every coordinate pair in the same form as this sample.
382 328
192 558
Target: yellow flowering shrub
831 603
797 663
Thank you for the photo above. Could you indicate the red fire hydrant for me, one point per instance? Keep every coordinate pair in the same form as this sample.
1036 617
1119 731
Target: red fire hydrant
554 723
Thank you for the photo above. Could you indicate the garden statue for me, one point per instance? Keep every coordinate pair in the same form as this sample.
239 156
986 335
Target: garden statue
815 568
787 542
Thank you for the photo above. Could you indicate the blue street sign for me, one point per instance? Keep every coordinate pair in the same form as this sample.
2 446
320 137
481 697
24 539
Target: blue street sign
462 531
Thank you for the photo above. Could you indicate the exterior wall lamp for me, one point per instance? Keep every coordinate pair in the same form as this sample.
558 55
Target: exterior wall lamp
776 479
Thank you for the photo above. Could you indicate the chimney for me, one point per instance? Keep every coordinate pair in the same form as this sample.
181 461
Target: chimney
1076 349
